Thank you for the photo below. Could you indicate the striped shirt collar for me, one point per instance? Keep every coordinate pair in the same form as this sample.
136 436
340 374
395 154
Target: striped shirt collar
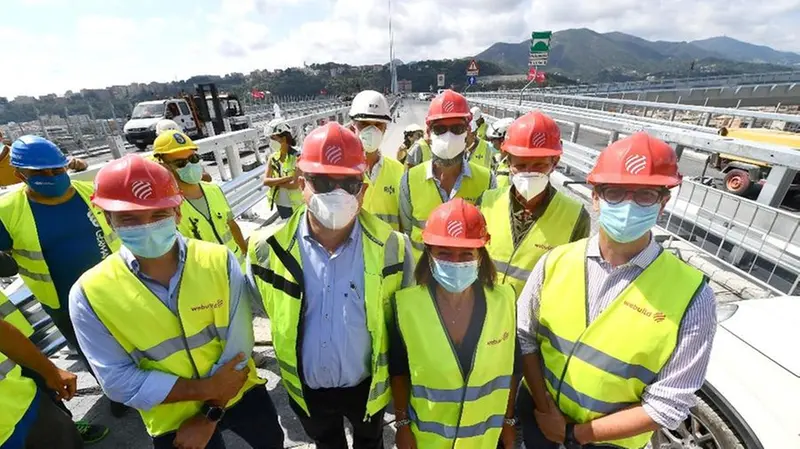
641 260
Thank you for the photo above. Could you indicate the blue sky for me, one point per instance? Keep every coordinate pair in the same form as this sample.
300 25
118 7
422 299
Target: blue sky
50 46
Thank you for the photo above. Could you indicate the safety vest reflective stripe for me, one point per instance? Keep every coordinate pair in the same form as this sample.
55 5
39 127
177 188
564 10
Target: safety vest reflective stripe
216 229
5 367
453 432
281 289
517 273
425 196
382 198
10 314
17 217
187 343
600 368
458 394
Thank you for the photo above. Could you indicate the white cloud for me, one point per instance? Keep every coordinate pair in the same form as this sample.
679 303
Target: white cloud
242 35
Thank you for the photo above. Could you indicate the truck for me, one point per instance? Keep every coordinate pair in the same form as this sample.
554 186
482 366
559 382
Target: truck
739 174
190 112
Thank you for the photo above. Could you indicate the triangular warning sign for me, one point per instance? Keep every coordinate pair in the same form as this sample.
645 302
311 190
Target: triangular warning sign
473 66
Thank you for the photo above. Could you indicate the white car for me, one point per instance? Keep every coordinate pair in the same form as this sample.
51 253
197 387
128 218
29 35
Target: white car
751 399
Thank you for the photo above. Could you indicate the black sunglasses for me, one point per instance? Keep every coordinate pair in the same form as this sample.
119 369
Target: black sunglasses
326 184
458 128
180 163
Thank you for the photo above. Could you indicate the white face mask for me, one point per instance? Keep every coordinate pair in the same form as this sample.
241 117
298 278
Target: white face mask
530 184
448 145
274 145
334 210
371 137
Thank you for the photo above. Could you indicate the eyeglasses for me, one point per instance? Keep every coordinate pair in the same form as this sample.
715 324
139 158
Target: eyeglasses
326 184
643 197
180 163
458 128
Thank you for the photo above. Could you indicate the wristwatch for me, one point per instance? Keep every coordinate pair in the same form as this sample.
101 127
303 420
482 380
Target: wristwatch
510 422
212 413
570 442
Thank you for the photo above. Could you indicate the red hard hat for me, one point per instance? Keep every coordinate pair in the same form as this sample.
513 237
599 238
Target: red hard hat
637 159
332 149
456 224
135 183
533 135
448 104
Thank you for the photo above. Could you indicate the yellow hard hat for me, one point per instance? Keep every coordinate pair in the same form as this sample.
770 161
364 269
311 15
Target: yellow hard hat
172 142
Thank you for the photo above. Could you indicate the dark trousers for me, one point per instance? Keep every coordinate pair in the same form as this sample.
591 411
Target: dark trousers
253 418
284 212
51 428
328 406
531 434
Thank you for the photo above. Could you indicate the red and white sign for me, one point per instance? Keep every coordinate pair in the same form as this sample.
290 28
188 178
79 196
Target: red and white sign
531 73
541 77
258 95
472 68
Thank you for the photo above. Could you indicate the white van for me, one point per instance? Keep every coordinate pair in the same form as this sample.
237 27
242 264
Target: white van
140 130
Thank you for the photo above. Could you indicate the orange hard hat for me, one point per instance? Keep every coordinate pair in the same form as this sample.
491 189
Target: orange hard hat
332 149
534 134
639 159
456 224
135 183
448 104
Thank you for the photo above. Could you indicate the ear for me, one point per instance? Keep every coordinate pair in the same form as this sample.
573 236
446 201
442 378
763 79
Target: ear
595 201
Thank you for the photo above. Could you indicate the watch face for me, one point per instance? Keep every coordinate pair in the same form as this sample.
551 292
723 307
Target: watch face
214 413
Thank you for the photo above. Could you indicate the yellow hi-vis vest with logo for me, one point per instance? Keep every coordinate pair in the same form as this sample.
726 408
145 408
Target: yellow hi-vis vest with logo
553 228
16 394
10 314
217 230
382 199
17 217
425 197
481 155
502 175
187 344
446 409
425 147
280 169
278 273
597 369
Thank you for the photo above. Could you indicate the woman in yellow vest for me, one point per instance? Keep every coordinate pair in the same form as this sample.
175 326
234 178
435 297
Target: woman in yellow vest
281 176
205 215
454 358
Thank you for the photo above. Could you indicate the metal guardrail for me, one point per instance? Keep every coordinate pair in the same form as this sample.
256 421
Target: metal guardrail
755 239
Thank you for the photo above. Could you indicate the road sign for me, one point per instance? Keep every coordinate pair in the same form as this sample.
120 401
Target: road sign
472 68
540 41
472 80
440 80
537 59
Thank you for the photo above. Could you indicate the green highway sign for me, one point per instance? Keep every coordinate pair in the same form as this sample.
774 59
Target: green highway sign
540 41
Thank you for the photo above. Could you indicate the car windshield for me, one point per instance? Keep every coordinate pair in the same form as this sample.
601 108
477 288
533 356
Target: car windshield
151 110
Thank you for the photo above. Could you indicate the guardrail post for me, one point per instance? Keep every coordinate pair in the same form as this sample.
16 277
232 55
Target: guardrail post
774 190
223 171
117 146
706 118
226 123
234 162
679 151
672 115
576 128
613 137
210 129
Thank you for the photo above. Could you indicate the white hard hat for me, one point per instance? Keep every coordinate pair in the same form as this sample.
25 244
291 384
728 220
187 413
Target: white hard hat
412 128
277 126
498 128
166 125
476 113
370 105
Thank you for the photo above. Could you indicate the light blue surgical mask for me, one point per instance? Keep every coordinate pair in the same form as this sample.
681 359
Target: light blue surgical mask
49 186
627 221
191 173
454 277
150 240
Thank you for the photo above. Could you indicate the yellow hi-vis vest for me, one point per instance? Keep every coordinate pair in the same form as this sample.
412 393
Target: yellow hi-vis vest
425 197
279 170
187 344
502 175
10 314
553 228
597 369
481 132
16 394
481 155
425 147
217 230
382 199
447 410
278 272
17 217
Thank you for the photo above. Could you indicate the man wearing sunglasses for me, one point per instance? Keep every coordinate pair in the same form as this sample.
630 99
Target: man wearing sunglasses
370 114
206 213
616 333
448 174
325 278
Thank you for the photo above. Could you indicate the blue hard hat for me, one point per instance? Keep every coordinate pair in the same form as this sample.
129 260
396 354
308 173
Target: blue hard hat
36 153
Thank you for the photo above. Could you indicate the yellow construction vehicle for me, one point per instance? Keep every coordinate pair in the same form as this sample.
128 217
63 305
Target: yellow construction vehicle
739 173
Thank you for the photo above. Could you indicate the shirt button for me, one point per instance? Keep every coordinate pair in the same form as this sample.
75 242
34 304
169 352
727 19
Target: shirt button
326 316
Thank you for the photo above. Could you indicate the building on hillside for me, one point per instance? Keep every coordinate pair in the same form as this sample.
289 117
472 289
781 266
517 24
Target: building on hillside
24 99
404 86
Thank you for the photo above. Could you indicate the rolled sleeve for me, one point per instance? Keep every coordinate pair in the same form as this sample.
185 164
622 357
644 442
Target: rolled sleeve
406 218
118 375
239 335
528 310
668 400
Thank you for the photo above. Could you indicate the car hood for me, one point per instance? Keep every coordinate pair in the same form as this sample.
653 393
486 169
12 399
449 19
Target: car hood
770 326
141 123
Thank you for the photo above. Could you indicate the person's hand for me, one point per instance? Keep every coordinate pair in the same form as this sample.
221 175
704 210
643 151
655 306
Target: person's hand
404 438
508 435
551 422
194 433
77 164
64 383
228 380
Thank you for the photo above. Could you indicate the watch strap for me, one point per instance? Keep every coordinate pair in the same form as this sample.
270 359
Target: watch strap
569 437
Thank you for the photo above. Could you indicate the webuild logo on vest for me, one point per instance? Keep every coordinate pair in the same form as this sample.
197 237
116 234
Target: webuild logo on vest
105 251
212 305
497 341
657 317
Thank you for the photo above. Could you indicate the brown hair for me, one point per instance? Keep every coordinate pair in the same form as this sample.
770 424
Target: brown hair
487 274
